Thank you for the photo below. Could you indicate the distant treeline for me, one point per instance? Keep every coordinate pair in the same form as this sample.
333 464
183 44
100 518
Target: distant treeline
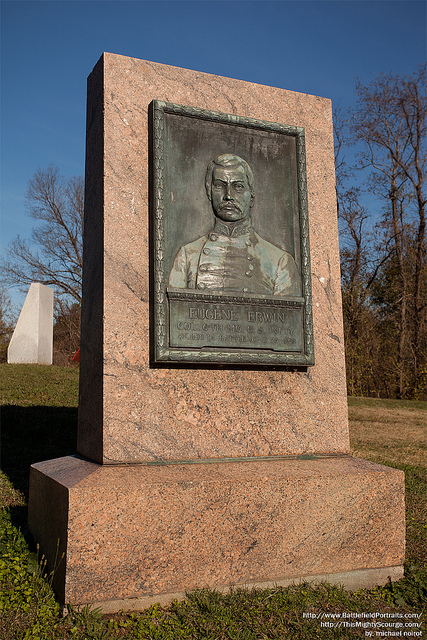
383 253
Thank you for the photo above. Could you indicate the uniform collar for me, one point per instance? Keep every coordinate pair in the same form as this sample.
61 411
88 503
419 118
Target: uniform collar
233 230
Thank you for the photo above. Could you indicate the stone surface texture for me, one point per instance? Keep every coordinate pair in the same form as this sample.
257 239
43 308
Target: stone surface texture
32 340
130 412
140 531
185 517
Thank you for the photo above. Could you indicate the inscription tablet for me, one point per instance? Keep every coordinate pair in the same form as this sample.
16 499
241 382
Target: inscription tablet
229 236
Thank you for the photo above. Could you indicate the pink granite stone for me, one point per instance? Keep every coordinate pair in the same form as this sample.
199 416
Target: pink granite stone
185 517
131 412
148 531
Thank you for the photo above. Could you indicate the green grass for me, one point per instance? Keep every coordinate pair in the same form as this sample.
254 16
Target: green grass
29 385
39 421
394 433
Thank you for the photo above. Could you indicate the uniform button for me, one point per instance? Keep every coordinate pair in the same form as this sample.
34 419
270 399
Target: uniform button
201 285
249 274
250 267
213 237
203 267
249 257
206 252
245 289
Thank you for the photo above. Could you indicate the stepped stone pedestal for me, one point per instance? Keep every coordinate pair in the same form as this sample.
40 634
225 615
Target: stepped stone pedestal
194 475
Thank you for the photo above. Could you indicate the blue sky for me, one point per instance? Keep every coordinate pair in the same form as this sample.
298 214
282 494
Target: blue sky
49 48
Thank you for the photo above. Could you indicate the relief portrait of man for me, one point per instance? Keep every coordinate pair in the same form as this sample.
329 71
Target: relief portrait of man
232 256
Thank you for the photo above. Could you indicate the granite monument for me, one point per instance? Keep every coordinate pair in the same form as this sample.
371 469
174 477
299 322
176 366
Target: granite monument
196 468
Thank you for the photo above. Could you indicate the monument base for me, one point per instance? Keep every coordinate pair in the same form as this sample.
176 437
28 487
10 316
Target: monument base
352 580
126 536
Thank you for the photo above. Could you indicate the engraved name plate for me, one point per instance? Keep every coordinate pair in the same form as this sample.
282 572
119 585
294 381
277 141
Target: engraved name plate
230 260
198 321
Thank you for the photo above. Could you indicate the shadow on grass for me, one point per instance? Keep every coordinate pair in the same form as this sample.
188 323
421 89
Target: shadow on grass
33 434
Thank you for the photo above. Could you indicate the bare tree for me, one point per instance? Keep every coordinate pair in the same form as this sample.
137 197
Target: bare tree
53 253
359 320
390 122
413 104
7 322
66 332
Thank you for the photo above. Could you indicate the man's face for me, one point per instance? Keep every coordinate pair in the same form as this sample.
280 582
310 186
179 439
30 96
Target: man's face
231 196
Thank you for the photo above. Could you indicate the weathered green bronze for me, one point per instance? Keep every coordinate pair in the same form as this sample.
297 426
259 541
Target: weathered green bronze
230 246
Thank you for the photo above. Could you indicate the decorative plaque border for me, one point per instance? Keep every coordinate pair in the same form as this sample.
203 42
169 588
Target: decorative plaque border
162 354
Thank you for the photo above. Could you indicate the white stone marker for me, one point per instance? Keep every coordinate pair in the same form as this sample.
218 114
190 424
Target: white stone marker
32 340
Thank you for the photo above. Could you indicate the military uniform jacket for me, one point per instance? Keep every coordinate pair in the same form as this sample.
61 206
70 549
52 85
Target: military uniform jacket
235 258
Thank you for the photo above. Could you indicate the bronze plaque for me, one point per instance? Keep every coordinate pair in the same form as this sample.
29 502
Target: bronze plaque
230 259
